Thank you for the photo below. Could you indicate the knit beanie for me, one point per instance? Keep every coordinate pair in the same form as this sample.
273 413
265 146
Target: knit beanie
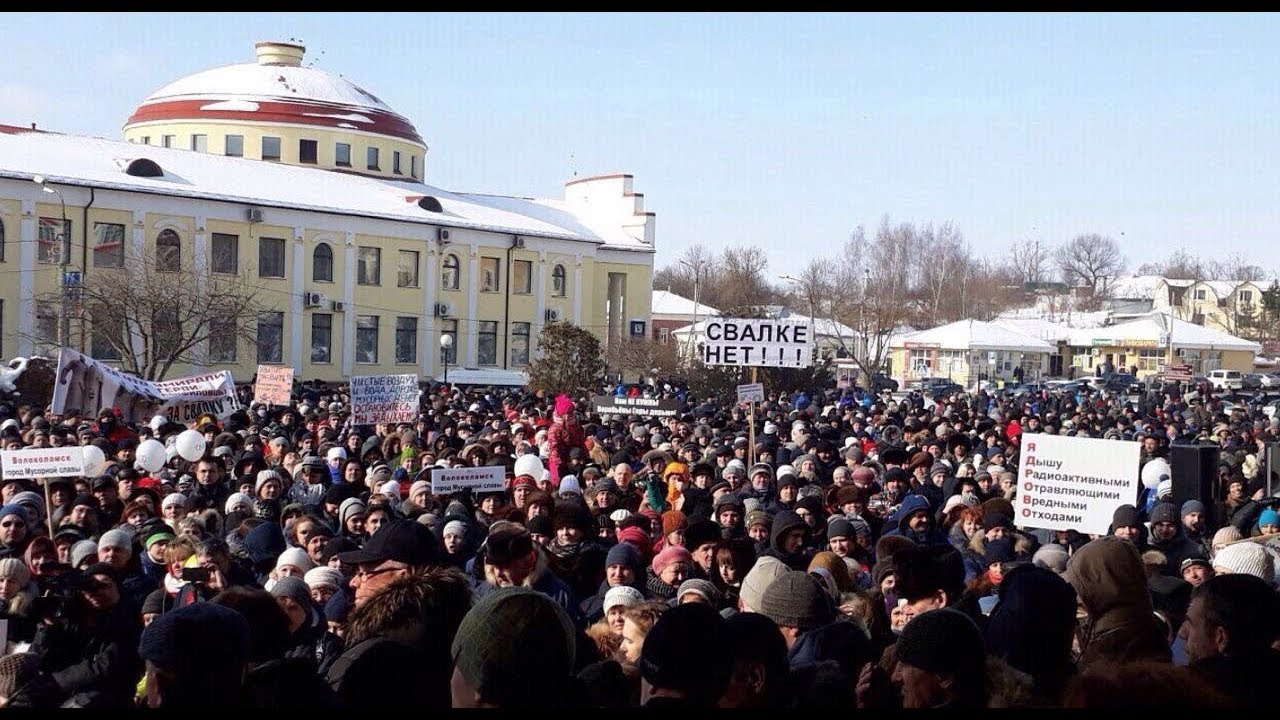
1268 517
669 555
673 520
154 602
177 499
998 551
349 507
1164 512
1245 558
293 588
29 498
1052 556
623 595
762 574
195 637
1125 516
945 642
17 671
454 527
537 525
323 576
569 484
1192 506
237 499
703 588
419 485
1228 534
81 552
796 600
263 477
513 645
16 569
116 538
688 650
840 528
623 554
296 557
338 607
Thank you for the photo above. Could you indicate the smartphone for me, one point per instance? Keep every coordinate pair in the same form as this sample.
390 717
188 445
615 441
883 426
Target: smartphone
195 574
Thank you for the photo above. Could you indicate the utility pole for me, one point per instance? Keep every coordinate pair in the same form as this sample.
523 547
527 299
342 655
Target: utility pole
696 267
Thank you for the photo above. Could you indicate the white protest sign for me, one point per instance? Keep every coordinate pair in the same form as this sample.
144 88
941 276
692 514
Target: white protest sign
478 479
757 342
187 398
384 399
42 462
1071 483
91 386
751 392
274 385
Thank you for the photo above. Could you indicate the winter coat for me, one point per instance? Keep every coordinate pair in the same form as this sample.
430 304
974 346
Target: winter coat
910 505
580 566
100 662
782 522
1248 679
542 579
1176 549
1109 580
1033 626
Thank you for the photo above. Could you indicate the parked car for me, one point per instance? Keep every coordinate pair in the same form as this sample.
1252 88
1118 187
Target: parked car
1232 380
881 382
1269 381
1270 408
939 387
1251 381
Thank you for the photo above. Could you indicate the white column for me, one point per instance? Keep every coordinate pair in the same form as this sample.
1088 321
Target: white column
540 311
473 292
200 265
137 250
26 279
427 333
295 300
577 290
349 299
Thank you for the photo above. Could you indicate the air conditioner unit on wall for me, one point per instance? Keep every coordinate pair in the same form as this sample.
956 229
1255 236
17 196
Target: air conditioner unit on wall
552 315
339 306
443 310
519 242
254 215
312 299
442 234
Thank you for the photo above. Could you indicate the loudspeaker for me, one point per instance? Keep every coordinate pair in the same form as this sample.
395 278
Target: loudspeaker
1194 472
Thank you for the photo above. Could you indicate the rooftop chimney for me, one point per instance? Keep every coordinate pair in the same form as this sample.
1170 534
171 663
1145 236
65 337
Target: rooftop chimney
275 52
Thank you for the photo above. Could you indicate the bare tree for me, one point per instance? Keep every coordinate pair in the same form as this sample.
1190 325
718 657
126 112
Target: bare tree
1029 262
147 320
1234 267
743 289
1181 265
1090 260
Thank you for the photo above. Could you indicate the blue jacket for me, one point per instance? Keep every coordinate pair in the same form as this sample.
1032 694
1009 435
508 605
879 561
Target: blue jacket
910 505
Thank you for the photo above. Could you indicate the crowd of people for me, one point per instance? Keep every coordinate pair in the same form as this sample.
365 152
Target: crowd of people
862 553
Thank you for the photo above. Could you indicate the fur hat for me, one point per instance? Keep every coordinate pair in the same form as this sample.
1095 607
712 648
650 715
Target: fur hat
673 520
945 642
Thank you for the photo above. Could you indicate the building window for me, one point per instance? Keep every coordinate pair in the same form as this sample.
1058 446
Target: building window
342 155
200 143
226 253
146 139
371 158
270 148
270 337
369 266
235 146
108 245
1200 294
406 339
407 272
167 140
559 282
168 251
46 328
308 151
270 257
413 166
522 284
165 332
449 355
450 273
222 340
321 338
395 162
54 233
664 335
1246 296
367 338
487 351
489 281
519 344
101 346
322 263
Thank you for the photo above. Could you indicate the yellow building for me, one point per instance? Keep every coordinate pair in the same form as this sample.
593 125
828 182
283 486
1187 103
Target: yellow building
1155 340
313 188
968 352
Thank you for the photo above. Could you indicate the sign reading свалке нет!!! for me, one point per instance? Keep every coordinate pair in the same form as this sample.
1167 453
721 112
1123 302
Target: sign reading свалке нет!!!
755 342
1072 483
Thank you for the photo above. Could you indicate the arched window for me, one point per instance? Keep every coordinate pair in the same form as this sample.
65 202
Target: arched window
168 251
558 282
449 276
322 263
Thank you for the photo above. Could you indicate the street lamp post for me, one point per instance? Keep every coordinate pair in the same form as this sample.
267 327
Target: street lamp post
696 267
63 252
446 342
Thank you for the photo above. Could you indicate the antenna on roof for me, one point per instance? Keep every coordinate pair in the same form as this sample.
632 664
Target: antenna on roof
573 171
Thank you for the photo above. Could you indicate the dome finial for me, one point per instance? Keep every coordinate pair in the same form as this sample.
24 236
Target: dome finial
279 52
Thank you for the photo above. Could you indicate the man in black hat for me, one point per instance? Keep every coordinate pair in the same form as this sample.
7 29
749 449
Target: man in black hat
397 550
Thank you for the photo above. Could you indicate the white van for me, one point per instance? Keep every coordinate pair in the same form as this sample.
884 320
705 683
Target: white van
1226 380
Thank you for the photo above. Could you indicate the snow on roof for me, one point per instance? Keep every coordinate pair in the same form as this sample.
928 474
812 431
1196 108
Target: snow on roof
967 334
95 162
1035 327
1150 328
1141 287
247 81
1221 288
1177 282
669 303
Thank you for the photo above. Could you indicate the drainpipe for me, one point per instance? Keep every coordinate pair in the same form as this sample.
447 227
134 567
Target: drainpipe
84 251
506 307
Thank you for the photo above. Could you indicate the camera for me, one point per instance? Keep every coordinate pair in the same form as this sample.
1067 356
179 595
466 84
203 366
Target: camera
61 595
196 574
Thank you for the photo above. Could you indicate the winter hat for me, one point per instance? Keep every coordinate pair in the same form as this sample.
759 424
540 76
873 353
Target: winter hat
156 537
1165 488
294 589
419 485
323 576
994 520
673 520
623 595
796 600
1052 556
174 499
237 499
31 499
1245 558
1125 516
1164 512
514 644
766 570
839 528
945 642
296 557
263 477
618 515
623 554
953 502
391 489
154 602
16 569
1192 506
702 588
569 485
82 552
633 534
455 527
670 555
758 517
1269 517
688 651
540 525
349 507
1228 534
998 505
887 545
193 638
116 538
998 551
338 607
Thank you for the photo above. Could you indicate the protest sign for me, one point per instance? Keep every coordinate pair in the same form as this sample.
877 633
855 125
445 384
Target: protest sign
384 399
274 385
478 479
1073 483
640 407
90 386
751 392
42 462
757 342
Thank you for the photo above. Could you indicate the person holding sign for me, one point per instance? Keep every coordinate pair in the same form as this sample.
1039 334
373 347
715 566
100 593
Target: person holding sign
564 435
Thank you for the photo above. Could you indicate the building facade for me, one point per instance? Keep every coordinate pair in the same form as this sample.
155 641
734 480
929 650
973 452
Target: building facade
311 190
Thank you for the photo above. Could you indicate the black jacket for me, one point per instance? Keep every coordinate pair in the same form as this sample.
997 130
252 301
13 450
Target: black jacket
1247 679
99 661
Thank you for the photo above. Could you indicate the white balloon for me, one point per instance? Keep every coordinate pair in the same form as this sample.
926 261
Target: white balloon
1154 471
94 461
190 445
151 455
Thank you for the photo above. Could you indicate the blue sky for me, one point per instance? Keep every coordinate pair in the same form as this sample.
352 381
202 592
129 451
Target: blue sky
785 131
